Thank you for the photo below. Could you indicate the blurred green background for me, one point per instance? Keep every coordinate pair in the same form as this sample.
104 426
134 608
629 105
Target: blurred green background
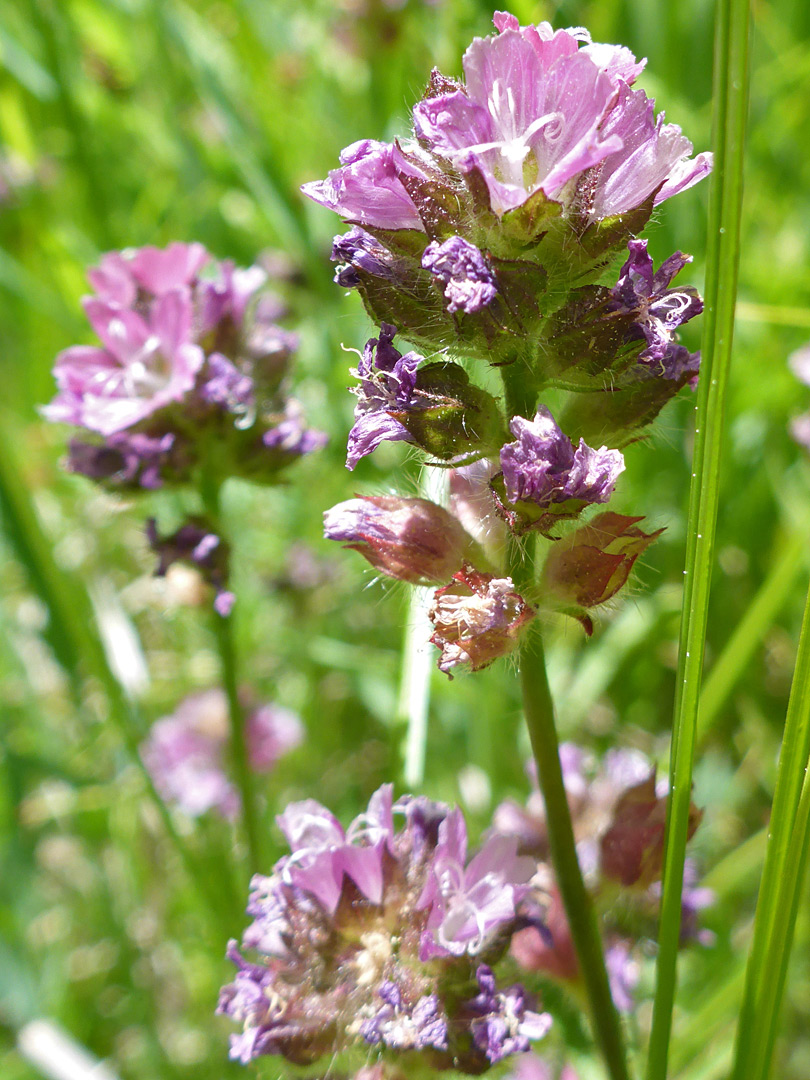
129 122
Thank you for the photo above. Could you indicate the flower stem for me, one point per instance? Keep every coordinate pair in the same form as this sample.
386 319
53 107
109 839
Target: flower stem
538 709
226 646
539 712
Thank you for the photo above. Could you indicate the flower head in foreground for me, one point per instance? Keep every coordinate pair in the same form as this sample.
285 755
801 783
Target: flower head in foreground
539 110
385 937
187 358
185 753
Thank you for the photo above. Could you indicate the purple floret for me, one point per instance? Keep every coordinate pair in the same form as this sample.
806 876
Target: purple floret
658 310
124 459
387 385
505 1024
542 466
469 284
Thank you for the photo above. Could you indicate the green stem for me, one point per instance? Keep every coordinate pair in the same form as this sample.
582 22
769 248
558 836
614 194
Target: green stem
725 210
521 398
210 489
579 910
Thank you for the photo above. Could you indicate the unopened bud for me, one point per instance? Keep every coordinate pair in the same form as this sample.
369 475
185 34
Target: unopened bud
413 540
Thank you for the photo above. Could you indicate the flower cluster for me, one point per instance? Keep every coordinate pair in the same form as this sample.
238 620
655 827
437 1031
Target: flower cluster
383 937
494 233
619 816
189 373
185 752
489 230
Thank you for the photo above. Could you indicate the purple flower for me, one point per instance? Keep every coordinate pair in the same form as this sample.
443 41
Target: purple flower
341 928
468 906
290 436
657 310
187 358
654 157
185 752
538 112
406 1028
623 974
505 1025
226 386
542 466
469 284
146 363
194 542
387 386
368 189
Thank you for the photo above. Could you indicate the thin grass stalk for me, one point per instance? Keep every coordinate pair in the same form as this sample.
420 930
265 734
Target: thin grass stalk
775 914
538 709
211 489
725 209
751 629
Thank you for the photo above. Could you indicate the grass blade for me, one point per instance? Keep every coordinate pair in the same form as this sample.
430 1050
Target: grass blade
738 651
785 859
731 100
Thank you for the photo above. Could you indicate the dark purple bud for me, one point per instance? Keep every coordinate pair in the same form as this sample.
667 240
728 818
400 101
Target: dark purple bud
195 543
359 250
469 283
125 459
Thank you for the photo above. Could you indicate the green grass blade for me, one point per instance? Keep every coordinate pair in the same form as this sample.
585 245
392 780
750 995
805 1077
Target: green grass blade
738 651
731 99
781 877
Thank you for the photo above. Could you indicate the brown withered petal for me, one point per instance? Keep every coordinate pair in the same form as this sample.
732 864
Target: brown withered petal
477 618
591 564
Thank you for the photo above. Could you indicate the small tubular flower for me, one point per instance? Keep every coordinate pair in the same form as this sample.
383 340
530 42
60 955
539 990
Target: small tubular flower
341 931
543 467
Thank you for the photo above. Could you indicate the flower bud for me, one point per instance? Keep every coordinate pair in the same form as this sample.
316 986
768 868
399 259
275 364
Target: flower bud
632 849
477 618
412 540
590 565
